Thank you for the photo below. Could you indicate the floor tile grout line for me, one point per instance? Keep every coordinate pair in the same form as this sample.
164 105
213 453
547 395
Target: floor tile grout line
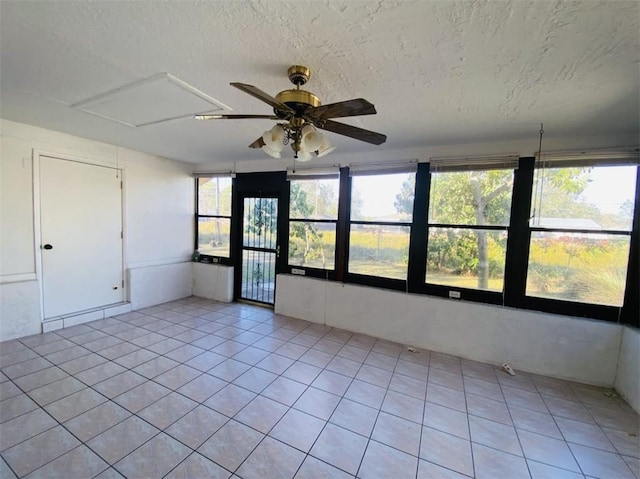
108 399
58 423
160 431
375 422
327 421
267 434
135 414
9 466
61 424
559 429
424 412
151 379
466 405
202 403
71 450
308 348
513 425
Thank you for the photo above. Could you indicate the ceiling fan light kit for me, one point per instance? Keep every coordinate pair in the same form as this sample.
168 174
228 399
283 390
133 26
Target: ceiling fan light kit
302 114
273 141
311 138
325 147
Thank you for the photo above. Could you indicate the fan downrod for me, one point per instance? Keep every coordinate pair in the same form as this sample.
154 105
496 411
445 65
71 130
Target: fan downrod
298 75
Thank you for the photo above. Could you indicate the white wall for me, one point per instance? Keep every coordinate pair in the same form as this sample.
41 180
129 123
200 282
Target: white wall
19 309
213 281
158 219
560 346
628 375
150 285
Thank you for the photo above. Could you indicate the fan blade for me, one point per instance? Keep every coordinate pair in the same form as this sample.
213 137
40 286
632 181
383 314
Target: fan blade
265 97
259 143
233 117
353 132
356 107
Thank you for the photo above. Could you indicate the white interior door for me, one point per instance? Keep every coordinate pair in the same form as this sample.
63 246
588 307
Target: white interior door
81 242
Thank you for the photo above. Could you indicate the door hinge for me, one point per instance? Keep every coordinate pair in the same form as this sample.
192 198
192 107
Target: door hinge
121 235
123 283
121 185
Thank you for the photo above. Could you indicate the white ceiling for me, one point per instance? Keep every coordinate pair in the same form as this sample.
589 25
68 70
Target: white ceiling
439 73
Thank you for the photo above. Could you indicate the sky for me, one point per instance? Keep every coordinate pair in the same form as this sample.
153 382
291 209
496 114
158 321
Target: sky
609 189
378 193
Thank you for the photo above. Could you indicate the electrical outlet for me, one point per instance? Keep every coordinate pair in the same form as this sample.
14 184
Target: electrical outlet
454 294
301 272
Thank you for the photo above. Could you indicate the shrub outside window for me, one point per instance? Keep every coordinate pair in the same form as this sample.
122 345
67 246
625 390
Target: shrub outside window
467 228
581 224
214 216
313 214
381 216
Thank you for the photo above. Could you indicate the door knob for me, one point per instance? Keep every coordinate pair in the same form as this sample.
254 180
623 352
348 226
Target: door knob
48 246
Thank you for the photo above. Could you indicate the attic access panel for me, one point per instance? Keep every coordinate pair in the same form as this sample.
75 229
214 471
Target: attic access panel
156 99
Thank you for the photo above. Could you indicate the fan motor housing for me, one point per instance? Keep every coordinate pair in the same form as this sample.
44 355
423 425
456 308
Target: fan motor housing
297 100
298 74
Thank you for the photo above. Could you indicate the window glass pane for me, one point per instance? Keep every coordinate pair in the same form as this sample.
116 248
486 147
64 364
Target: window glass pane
471 197
595 198
383 197
466 258
213 236
378 250
314 199
312 244
214 196
589 268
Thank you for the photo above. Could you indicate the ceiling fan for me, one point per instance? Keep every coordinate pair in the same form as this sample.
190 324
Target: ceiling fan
301 113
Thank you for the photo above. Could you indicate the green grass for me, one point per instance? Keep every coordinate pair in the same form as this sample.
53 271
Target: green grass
463 281
381 269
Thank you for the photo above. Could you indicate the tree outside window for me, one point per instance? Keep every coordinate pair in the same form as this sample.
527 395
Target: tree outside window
313 214
214 216
581 227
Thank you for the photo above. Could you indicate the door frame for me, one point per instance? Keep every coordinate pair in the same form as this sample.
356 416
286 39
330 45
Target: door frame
259 185
37 154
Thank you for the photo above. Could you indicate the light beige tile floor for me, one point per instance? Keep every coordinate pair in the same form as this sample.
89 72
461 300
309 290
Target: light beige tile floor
199 389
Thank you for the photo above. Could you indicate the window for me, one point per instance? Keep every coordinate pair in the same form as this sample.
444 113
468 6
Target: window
381 215
581 224
313 214
498 230
467 228
213 216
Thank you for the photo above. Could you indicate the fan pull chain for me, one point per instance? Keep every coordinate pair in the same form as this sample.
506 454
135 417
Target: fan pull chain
537 203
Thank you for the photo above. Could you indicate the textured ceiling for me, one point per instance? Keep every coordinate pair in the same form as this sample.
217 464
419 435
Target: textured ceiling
439 73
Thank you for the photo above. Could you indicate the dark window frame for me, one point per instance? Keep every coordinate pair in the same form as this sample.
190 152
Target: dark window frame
313 272
420 283
618 314
206 258
517 254
364 279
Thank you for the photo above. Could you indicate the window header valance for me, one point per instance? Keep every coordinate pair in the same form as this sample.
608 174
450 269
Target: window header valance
215 174
313 173
448 164
629 156
364 169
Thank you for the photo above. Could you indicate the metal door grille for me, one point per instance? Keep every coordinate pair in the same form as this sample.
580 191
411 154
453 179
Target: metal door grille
259 249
